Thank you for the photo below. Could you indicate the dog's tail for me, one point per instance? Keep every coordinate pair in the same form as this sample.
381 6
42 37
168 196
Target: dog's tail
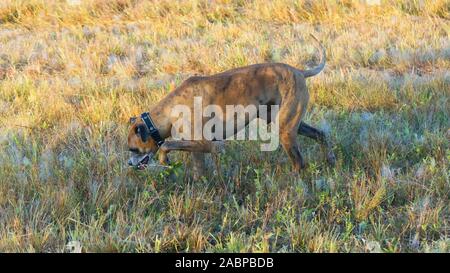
316 70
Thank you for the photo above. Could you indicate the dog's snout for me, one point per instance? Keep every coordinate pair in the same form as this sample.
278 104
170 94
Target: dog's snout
130 162
134 150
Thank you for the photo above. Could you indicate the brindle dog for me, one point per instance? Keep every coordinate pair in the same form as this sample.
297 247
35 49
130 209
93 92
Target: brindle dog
259 84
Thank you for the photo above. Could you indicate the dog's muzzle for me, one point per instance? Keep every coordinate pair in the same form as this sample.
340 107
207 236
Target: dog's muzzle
140 161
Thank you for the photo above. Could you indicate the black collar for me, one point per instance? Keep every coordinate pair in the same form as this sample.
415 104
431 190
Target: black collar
154 133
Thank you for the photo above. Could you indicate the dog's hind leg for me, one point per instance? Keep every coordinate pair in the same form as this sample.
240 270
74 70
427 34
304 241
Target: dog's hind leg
290 145
318 135
290 115
292 108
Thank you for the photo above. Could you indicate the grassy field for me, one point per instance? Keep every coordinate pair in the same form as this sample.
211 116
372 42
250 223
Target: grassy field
73 72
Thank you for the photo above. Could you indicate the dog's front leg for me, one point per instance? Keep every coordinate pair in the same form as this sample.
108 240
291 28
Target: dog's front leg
163 158
198 149
198 165
177 145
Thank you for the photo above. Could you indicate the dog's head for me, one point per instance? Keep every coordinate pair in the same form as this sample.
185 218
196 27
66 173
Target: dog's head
140 143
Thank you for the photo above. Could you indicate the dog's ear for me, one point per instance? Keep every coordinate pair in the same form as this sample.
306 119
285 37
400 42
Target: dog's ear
133 120
142 132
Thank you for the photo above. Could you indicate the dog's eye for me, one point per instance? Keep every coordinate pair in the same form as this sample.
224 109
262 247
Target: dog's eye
132 120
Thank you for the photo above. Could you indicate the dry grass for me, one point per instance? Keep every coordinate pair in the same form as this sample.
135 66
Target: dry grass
73 72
